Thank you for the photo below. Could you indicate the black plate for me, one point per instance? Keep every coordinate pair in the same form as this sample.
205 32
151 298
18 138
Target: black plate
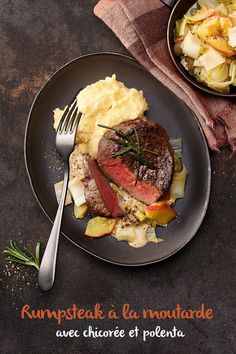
45 167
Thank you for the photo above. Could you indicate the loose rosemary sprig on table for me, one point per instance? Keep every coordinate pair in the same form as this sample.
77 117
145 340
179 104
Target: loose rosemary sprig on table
16 255
131 145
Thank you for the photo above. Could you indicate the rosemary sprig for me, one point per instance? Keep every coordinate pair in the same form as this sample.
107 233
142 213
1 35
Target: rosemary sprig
134 145
118 132
138 143
121 152
137 138
143 160
151 152
119 142
17 255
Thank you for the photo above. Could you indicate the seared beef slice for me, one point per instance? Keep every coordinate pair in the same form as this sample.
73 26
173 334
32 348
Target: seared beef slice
122 170
93 197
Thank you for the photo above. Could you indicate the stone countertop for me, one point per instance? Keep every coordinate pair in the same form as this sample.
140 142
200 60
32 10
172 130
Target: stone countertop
37 37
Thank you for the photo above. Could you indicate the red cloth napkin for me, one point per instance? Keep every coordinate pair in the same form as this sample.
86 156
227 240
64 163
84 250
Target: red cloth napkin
141 27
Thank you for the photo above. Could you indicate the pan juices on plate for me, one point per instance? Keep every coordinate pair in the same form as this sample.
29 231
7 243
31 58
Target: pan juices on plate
125 171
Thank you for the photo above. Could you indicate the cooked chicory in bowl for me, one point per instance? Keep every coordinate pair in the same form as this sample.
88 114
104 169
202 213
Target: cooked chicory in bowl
205 41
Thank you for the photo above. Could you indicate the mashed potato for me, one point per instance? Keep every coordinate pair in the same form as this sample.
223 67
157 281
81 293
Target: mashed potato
107 102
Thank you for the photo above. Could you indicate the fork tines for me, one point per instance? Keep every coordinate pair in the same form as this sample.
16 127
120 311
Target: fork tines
68 119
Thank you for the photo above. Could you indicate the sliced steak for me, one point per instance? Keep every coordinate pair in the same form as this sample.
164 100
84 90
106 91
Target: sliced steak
107 194
122 170
93 197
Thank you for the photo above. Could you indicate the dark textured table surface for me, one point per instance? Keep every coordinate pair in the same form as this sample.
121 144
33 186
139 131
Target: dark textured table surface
37 37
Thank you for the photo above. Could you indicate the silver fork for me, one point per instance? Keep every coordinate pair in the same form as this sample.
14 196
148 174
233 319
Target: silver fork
65 142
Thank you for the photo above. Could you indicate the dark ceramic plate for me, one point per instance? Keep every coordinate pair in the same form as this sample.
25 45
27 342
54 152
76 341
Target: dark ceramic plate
45 167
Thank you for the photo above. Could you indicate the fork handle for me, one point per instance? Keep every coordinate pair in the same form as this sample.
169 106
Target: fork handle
47 268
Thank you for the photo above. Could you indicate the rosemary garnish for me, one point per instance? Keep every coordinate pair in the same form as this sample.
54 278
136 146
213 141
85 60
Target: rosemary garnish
16 255
131 145
121 152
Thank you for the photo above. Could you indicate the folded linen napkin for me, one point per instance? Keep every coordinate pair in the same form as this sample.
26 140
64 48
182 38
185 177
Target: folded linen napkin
141 27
